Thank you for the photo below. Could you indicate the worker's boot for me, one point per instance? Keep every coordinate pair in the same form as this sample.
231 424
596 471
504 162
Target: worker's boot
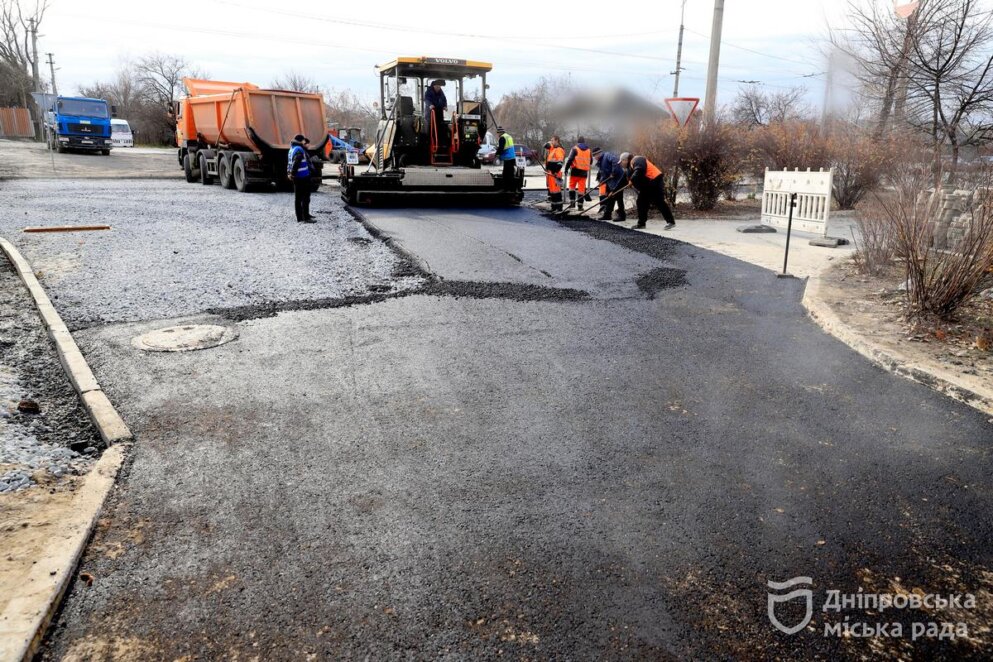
572 199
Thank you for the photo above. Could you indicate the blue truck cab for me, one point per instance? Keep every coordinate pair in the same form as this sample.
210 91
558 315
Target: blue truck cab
79 123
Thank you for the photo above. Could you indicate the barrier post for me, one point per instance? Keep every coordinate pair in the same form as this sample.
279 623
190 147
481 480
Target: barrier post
789 230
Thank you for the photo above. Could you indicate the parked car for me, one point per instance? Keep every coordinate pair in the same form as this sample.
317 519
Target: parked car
528 153
121 134
487 154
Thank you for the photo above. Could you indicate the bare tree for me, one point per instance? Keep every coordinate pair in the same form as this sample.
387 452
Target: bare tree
162 76
348 111
296 82
531 114
933 70
17 62
755 107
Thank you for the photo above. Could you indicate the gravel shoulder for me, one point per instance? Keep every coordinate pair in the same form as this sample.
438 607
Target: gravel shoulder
42 455
21 159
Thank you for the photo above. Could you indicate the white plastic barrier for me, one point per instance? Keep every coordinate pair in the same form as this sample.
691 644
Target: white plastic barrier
813 200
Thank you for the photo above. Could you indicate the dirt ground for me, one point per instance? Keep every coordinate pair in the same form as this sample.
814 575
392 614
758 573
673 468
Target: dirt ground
22 158
874 306
26 521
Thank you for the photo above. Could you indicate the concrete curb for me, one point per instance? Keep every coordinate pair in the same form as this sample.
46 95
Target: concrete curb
28 614
943 381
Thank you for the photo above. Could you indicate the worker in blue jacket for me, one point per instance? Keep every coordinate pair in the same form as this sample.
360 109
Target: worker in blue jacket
435 104
611 179
298 170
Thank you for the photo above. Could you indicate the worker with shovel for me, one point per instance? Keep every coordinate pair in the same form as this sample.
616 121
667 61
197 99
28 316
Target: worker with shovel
578 164
647 179
611 179
554 159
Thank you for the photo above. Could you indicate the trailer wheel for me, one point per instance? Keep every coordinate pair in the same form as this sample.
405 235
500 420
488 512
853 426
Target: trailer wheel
239 176
224 173
192 174
205 177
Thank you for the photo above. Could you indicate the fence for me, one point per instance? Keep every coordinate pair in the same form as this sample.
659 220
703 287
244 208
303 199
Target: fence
813 200
16 123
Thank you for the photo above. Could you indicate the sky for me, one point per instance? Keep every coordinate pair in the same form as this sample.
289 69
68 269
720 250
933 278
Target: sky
779 43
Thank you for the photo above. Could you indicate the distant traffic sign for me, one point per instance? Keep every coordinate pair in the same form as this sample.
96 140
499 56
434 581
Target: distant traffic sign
905 9
681 108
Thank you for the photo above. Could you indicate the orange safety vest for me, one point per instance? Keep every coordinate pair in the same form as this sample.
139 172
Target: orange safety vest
583 160
651 171
555 155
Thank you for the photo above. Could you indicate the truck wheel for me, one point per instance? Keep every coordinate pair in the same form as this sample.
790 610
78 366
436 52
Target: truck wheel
239 176
105 152
59 149
224 174
205 178
192 174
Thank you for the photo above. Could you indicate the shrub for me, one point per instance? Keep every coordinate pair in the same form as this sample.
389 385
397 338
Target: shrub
874 250
708 157
939 281
860 162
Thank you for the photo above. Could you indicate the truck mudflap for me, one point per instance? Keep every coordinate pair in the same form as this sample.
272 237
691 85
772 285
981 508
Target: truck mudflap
429 187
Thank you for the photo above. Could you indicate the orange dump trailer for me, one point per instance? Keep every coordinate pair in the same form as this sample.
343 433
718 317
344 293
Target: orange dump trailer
239 134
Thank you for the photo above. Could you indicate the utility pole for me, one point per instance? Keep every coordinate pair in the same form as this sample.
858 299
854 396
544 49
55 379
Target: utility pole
828 92
715 56
51 66
35 77
679 50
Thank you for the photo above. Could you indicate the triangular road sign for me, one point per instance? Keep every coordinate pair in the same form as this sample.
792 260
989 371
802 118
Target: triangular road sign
681 108
905 9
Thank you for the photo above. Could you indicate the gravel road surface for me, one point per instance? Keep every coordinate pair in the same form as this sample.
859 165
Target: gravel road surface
29 159
611 470
177 249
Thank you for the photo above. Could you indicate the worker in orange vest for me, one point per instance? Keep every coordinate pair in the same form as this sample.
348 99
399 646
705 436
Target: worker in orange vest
554 159
578 164
647 179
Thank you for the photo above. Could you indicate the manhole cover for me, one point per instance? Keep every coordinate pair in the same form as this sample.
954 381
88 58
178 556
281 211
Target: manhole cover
185 338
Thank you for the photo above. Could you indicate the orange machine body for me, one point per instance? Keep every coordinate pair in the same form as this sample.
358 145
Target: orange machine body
243 116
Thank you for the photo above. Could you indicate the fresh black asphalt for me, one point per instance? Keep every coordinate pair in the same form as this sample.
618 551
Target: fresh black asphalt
449 474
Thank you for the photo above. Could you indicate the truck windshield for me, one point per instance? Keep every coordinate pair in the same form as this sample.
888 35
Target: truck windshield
83 108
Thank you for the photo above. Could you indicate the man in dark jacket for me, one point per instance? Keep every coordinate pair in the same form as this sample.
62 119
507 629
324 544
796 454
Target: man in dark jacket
612 178
648 180
435 103
298 170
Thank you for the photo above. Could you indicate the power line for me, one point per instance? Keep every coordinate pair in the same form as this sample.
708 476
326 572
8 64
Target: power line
751 50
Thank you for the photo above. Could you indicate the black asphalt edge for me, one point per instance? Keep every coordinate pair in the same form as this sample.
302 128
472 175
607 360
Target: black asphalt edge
408 266
934 378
